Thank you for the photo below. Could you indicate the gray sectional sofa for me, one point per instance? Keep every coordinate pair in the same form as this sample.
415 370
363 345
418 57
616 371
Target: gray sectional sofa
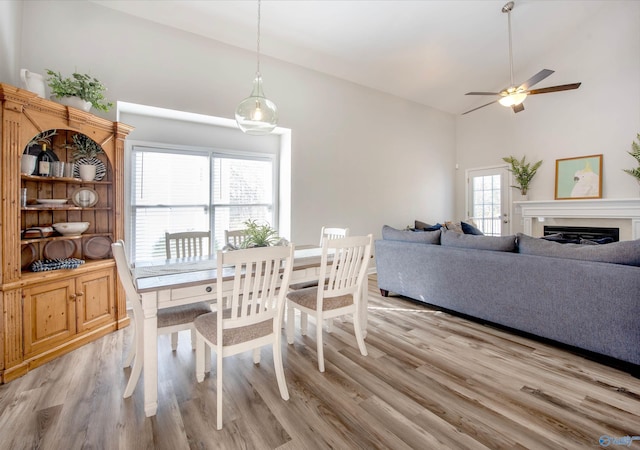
584 296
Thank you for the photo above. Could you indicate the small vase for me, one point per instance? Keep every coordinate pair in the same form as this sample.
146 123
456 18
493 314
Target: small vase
28 164
87 172
524 197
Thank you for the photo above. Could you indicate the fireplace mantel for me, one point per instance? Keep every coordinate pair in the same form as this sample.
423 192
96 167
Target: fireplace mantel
625 208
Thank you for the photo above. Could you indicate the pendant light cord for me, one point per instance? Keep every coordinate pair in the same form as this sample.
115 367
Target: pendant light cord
258 42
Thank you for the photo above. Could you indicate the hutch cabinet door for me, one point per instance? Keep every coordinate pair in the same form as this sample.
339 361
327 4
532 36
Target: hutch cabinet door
49 315
95 299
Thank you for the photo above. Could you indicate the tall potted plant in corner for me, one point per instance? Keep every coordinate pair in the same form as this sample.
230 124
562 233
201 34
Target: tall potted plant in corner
88 89
635 152
523 172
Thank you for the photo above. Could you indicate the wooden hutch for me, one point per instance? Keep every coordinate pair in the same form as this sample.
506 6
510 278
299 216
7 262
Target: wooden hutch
48 313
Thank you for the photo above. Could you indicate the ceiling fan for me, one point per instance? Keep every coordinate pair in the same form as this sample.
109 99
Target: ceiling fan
514 96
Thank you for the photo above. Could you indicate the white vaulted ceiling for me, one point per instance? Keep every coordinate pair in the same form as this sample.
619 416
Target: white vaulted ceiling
431 52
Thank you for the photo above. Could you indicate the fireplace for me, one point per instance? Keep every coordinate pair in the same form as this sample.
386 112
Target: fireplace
621 213
598 235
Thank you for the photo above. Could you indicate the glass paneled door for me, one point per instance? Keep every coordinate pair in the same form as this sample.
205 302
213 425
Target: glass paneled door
488 199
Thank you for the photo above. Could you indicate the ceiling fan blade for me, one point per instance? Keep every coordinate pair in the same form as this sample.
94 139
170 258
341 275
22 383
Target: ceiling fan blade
563 87
537 78
482 93
471 110
518 108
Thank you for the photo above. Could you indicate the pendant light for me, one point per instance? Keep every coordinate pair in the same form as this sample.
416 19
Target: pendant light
256 114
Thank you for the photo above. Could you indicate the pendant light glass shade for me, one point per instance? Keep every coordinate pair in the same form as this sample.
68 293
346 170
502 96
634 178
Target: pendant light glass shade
256 114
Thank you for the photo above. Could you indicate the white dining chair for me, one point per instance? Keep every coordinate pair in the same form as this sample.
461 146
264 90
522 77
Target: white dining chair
186 244
170 320
235 238
254 308
342 293
325 233
332 233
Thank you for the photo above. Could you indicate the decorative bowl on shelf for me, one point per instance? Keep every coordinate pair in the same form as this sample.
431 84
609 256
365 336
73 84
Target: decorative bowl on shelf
71 228
52 201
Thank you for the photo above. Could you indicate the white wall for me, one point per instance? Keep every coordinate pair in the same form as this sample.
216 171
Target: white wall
10 30
601 117
360 158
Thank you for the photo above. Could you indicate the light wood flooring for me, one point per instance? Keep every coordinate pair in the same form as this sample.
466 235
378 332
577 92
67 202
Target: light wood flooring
431 381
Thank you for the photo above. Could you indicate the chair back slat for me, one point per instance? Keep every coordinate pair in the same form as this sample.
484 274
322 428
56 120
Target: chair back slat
126 276
332 233
260 280
347 269
187 244
235 237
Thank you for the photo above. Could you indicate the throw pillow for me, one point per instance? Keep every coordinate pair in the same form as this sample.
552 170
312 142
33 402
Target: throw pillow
424 237
623 252
467 228
453 226
423 226
478 242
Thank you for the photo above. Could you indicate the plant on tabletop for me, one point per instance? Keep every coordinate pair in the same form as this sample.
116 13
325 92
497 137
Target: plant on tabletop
259 235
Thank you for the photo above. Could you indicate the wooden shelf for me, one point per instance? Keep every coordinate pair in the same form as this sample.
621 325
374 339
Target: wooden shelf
61 180
61 238
62 208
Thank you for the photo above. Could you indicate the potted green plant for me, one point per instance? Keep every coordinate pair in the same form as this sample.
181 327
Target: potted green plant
85 152
635 152
523 172
258 235
82 86
84 147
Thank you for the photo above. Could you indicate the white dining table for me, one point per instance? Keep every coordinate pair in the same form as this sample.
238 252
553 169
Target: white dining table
168 283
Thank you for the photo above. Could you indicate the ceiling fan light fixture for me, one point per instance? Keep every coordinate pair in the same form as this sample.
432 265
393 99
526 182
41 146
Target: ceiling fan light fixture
256 114
513 99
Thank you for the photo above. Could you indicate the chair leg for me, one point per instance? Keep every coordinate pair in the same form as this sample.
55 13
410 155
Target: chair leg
136 370
256 355
219 388
200 358
174 341
319 343
193 339
277 362
291 315
330 326
207 358
357 327
303 323
132 349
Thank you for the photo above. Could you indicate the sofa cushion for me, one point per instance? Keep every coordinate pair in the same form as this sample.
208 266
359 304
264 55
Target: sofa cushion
424 237
623 252
477 242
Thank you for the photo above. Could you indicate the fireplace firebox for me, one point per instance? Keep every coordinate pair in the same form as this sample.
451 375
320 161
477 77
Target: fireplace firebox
566 234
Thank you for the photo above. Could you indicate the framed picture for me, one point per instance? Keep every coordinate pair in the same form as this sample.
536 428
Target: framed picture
579 177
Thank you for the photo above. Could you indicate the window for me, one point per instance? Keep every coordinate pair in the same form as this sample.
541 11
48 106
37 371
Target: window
178 189
487 199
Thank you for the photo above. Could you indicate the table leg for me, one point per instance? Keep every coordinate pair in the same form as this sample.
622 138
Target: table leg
150 367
